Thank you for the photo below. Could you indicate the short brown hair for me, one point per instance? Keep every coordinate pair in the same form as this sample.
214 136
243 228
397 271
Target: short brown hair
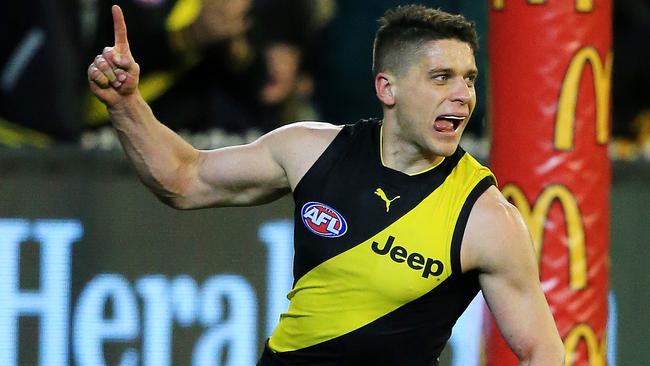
403 30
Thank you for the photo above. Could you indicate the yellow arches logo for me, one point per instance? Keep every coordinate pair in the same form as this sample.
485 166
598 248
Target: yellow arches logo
582 6
596 351
566 112
536 217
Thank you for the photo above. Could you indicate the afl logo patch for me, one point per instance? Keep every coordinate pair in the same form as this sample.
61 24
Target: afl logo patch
323 220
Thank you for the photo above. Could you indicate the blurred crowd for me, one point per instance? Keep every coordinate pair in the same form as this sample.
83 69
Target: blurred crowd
630 80
223 72
226 65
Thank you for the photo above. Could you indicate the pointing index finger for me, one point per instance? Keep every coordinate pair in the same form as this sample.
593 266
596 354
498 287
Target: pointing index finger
119 27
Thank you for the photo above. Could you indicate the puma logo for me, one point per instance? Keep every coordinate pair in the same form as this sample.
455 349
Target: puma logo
380 192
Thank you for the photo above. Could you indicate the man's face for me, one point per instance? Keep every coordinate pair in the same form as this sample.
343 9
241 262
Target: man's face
435 97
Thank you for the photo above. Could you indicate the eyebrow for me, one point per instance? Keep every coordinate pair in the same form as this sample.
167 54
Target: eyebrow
472 72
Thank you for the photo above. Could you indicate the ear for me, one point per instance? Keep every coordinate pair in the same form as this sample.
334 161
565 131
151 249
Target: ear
384 88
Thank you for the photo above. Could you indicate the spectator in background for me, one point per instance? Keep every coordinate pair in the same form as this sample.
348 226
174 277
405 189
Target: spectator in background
291 30
39 99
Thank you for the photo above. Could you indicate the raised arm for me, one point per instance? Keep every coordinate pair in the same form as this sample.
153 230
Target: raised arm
498 245
178 174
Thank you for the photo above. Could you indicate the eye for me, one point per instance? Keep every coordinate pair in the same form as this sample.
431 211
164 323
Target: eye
441 77
471 79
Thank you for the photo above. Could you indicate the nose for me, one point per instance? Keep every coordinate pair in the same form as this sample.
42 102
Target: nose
461 92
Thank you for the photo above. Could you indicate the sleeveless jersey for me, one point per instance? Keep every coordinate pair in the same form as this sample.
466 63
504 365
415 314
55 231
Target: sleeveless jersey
377 275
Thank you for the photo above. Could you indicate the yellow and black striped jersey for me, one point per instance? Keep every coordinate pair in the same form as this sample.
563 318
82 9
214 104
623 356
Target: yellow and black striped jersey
377 276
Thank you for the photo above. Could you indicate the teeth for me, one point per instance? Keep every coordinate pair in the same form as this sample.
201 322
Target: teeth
457 118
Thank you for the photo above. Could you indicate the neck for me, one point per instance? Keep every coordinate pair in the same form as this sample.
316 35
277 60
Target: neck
405 156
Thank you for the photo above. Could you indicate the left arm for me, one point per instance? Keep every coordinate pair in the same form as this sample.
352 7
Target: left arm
498 245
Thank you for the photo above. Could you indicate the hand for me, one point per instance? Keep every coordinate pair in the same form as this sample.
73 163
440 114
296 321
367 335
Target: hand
113 76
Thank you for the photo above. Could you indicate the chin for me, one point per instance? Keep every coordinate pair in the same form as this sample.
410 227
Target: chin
448 153
445 150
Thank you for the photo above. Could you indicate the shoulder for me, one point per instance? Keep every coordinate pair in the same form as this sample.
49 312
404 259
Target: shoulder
297 146
303 137
301 132
495 231
493 208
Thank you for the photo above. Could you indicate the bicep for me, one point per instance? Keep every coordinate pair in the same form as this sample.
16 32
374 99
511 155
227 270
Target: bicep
502 251
258 172
238 176
516 300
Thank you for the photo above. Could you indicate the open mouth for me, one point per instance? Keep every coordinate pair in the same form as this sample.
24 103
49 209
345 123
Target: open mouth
447 123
